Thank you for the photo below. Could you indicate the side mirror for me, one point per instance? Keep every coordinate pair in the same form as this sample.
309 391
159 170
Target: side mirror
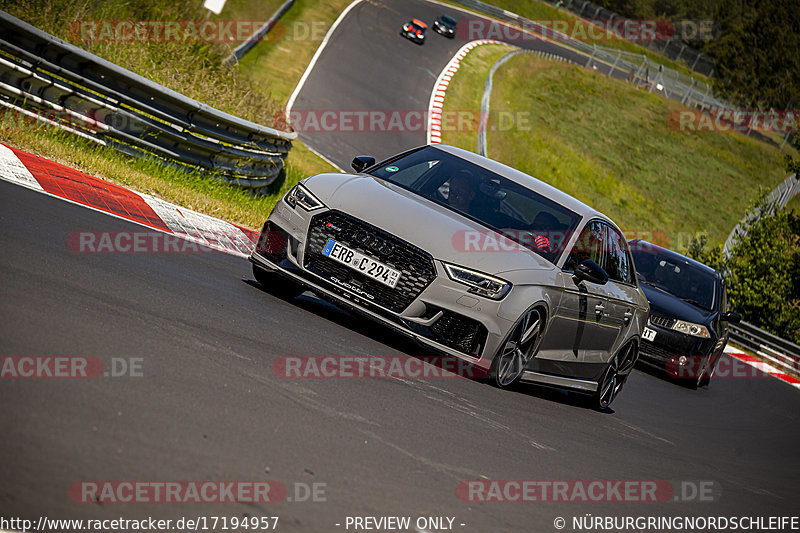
588 270
361 162
732 317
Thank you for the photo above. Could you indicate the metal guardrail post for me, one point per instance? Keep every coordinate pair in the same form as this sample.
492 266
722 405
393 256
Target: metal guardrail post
614 66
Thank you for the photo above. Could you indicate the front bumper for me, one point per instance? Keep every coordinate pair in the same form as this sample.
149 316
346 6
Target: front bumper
444 30
681 356
428 306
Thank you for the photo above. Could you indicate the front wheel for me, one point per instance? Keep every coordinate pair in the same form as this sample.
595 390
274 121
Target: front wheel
615 376
520 346
275 284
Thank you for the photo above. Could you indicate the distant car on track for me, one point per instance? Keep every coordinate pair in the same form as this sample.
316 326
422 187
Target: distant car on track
688 326
445 25
414 30
470 257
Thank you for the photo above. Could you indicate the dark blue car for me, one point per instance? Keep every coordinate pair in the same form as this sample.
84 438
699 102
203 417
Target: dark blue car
689 317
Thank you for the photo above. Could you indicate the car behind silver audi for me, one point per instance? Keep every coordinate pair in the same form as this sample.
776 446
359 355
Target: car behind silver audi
470 257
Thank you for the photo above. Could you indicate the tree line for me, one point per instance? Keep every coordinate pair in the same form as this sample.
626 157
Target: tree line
755 44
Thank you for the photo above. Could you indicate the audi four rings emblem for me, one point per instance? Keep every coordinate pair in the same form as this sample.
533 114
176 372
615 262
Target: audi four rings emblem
372 242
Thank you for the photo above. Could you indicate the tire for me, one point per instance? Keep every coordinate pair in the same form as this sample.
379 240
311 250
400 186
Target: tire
615 376
275 284
519 347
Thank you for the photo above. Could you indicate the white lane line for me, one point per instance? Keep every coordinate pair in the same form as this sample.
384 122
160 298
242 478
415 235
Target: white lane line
12 169
314 59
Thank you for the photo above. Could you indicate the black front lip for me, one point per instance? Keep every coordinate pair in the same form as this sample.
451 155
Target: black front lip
360 306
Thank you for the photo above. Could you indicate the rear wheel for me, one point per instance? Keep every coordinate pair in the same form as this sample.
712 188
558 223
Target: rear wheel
275 284
520 346
615 376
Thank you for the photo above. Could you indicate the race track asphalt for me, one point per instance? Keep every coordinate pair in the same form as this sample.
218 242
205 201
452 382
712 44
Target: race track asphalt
209 406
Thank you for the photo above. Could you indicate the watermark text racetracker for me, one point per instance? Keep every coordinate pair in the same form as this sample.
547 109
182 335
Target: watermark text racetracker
405 120
69 367
125 31
373 367
591 30
171 492
587 490
150 242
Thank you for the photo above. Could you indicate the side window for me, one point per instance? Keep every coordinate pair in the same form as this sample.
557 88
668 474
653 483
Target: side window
618 258
590 245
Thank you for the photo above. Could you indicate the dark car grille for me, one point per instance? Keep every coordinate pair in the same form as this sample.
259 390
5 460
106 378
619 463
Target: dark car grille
662 321
650 351
416 266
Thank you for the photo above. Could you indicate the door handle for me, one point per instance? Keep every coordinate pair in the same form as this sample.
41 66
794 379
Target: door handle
599 308
628 316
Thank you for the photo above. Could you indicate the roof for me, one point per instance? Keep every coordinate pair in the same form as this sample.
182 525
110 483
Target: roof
419 23
639 243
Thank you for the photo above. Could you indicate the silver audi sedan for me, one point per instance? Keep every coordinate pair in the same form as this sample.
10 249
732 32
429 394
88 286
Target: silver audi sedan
470 257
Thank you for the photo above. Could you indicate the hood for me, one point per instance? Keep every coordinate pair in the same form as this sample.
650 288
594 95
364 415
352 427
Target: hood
667 305
444 234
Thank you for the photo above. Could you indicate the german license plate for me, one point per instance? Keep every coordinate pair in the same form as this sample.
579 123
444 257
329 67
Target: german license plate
362 263
649 334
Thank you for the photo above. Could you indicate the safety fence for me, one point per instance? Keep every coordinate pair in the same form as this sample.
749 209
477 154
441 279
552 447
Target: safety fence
641 69
53 82
672 47
780 353
778 198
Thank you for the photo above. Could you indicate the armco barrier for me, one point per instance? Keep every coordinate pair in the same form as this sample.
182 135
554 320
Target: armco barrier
55 82
259 34
782 354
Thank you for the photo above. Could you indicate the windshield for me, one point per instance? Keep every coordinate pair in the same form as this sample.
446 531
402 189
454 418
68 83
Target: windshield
448 21
675 276
521 215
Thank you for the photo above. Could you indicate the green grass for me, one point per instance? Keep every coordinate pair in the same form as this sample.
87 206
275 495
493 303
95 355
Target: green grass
191 68
466 94
278 62
609 144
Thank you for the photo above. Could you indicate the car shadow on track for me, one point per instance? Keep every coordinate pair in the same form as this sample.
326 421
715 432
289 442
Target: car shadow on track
662 374
392 339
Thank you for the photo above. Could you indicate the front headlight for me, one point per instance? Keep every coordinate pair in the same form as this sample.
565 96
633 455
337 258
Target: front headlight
299 195
479 283
695 330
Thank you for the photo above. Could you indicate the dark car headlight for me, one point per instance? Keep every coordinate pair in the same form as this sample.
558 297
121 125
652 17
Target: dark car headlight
301 196
479 283
689 328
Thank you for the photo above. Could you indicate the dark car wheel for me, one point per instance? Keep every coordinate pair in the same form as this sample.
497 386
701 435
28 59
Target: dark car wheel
275 284
520 346
615 376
